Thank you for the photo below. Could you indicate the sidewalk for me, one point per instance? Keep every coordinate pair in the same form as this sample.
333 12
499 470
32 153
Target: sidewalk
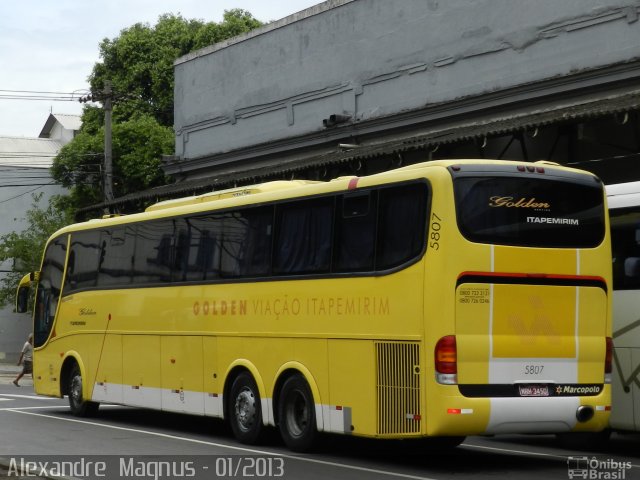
8 373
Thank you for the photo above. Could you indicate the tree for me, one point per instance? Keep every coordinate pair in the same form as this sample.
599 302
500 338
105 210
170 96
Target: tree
26 248
137 146
139 65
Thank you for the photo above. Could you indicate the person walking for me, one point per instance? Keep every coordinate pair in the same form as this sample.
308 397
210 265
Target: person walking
26 359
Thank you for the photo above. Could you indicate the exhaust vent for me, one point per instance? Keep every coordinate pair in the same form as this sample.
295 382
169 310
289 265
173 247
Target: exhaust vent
398 388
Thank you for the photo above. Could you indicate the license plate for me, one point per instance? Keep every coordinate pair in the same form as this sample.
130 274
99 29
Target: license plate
533 390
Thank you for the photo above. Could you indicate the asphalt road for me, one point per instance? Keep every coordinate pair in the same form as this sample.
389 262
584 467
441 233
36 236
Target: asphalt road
123 442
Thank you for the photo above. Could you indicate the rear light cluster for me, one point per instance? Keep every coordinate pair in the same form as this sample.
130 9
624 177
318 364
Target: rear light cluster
608 360
446 360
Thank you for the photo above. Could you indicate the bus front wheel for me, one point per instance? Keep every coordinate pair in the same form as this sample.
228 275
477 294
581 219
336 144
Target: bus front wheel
297 415
78 405
245 409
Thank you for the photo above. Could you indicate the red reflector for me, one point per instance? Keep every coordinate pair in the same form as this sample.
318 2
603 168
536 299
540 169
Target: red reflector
417 417
353 183
338 407
539 169
454 410
607 408
608 357
521 168
446 357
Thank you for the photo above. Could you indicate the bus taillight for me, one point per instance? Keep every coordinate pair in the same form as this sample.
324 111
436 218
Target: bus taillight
608 360
446 360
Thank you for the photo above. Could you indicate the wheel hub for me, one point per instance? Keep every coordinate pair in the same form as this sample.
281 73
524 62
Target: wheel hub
245 409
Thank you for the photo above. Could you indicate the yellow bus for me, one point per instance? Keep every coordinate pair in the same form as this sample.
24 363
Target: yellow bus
442 299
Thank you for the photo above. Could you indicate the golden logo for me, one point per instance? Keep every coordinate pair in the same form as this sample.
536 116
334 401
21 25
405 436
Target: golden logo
510 202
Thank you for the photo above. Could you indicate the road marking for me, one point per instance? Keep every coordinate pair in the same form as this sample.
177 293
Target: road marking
522 452
30 397
230 447
13 409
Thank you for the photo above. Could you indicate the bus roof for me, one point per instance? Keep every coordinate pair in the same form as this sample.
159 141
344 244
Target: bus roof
230 193
267 191
621 195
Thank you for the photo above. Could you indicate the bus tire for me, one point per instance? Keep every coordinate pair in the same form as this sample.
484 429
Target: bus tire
297 415
79 406
245 411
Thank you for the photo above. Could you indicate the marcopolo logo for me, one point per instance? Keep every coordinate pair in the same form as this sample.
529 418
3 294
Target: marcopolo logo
597 469
577 389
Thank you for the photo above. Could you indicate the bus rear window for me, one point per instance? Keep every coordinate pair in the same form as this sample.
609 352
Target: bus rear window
530 211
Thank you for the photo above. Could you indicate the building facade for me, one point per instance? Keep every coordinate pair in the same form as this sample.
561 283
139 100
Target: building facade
360 86
24 172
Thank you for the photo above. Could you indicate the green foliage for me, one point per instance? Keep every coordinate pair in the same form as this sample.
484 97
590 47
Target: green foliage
139 65
235 22
137 145
139 62
26 248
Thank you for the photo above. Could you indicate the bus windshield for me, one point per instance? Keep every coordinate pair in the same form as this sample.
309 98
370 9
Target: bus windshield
530 211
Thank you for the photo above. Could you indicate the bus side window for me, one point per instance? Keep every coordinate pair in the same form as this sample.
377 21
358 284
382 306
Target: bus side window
246 242
49 289
303 242
82 266
355 232
116 253
625 248
153 252
181 254
401 225
632 267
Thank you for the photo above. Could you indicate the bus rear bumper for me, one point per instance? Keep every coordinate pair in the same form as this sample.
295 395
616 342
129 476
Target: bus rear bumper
505 415
545 415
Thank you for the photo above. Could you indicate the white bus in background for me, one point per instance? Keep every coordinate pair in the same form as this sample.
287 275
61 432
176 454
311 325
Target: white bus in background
624 209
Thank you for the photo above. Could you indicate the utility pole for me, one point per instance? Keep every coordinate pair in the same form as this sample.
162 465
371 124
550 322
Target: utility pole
106 97
108 158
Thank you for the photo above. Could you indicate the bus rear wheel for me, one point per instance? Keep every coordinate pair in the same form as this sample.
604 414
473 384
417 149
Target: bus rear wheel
245 409
78 405
297 415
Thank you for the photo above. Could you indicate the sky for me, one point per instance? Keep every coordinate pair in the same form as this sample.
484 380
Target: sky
51 46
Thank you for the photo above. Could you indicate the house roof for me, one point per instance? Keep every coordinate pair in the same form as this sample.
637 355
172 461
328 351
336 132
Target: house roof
68 122
28 152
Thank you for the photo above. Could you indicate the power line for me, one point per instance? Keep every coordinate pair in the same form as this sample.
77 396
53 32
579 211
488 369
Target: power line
39 95
23 194
38 98
41 154
7 185
37 91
